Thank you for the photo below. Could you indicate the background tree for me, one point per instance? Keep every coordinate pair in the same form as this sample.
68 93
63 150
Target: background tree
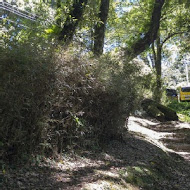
100 27
72 20
172 26
150 35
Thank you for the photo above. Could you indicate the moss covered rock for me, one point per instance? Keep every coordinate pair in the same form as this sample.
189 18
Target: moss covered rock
158 111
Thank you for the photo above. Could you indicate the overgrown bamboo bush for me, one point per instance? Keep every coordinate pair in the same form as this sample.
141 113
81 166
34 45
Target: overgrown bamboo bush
26 78
51 101
92 100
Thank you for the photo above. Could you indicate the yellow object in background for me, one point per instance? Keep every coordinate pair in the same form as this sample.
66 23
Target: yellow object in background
184 93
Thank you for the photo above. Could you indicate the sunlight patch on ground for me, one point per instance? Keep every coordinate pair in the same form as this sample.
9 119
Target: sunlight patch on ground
70 164
109 185
110 180
102 185
107 173
185 155
183 125
145 122
139 126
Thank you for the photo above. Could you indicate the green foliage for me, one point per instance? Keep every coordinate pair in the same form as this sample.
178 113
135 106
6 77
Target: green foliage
182 109
121 28
149 176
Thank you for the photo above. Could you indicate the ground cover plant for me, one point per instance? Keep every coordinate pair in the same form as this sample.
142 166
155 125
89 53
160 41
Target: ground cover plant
182 108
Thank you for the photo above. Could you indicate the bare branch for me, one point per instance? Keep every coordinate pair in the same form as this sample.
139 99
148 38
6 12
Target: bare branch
171 35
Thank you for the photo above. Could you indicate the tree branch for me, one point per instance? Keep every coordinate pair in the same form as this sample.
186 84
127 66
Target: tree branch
154 52
149 37
171 35
72 20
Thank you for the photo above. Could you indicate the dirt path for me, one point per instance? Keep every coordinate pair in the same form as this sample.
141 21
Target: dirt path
144 161
170 136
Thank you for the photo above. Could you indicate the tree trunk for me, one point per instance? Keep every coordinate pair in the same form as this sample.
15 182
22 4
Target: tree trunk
58 20
72 20
99 33
149 37
158 64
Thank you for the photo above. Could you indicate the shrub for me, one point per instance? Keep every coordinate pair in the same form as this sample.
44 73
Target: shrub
92 100
26 81
182 109
53 101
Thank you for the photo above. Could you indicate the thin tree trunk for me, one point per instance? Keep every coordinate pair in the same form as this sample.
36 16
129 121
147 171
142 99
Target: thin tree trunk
158 66
100 27
58 20
72 20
